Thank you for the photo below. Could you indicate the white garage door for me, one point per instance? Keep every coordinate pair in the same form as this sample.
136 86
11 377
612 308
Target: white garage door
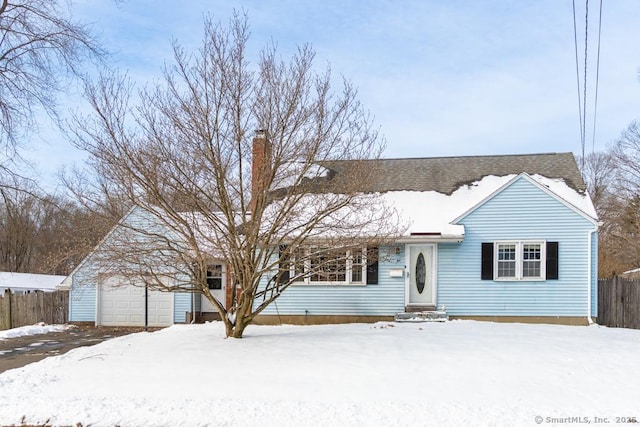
123 305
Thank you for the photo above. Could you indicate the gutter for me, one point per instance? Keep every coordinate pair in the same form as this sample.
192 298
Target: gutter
431 238
590 257
146 307
193 307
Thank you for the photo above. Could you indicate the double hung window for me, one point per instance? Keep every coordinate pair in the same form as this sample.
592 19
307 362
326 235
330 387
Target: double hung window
520 260
214 276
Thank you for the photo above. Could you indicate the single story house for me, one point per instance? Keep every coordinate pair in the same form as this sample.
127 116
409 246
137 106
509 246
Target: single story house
510 238
29 282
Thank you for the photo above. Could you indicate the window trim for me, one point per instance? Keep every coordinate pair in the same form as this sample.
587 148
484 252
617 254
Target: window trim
519 276
306 279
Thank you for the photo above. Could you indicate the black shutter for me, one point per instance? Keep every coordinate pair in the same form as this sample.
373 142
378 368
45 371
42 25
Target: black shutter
552 260
487 261
372 265
283 265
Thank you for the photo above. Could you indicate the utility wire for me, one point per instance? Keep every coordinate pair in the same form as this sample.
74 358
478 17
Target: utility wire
595 106
575 42
584 93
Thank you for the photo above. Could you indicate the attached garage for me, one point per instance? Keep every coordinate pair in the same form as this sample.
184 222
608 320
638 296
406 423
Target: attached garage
123 304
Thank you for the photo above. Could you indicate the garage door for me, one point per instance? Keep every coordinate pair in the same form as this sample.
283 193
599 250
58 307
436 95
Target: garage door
123 305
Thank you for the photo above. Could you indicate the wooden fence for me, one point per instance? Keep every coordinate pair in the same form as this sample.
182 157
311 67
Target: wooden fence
26 309
619 302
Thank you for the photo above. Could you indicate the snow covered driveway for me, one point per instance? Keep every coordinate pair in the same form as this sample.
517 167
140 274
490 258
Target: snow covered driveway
28 344
457 373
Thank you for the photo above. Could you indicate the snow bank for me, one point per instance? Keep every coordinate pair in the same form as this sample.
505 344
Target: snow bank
447 374
39 328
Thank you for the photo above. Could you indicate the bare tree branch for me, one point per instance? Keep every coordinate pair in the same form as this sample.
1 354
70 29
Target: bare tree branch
39 43
185 158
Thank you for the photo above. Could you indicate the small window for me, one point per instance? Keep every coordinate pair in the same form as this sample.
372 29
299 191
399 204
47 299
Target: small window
520 260
214 277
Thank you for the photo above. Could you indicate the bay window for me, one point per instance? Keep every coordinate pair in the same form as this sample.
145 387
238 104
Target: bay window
321 265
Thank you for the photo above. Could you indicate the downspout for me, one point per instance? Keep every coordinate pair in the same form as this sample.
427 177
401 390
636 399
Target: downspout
193 307
70 302
590 257
146 307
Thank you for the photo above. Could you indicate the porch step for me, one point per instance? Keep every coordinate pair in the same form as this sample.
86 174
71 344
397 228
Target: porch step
414 308
422 316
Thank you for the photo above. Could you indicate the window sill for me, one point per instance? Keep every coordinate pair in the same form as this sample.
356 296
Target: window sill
519 279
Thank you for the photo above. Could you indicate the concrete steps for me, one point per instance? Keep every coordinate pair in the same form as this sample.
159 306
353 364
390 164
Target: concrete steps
422 316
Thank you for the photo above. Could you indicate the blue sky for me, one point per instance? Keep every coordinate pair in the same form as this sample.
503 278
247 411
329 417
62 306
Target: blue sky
442 78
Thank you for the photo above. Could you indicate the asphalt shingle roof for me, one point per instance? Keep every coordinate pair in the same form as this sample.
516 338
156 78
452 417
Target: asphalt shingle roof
446 174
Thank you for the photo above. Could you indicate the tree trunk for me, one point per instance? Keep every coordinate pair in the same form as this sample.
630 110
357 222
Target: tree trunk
243 317
238 329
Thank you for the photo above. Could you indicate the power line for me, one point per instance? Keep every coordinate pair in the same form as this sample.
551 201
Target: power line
575 42
595 106
584 93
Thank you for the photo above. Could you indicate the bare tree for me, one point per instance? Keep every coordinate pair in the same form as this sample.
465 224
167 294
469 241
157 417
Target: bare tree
18 228
598 169
202 188
618 209
42 233
39 42
626 152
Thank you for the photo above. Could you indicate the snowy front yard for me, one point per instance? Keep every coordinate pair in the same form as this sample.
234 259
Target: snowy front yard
457 373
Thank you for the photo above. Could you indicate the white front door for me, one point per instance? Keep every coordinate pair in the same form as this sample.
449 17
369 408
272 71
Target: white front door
421 277
217 284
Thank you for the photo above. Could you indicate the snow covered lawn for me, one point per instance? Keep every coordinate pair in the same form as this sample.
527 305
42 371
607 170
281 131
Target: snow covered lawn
38 328
457 373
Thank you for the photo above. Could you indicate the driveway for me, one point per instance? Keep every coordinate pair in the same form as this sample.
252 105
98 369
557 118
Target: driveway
20 351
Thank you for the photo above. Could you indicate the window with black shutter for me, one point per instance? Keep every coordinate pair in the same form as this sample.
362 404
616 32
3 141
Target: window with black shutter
518 260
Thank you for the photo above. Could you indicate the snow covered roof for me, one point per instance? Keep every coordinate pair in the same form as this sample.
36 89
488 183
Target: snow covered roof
28 281
431 212
432 194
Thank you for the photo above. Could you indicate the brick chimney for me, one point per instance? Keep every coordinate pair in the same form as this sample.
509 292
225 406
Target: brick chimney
260 168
